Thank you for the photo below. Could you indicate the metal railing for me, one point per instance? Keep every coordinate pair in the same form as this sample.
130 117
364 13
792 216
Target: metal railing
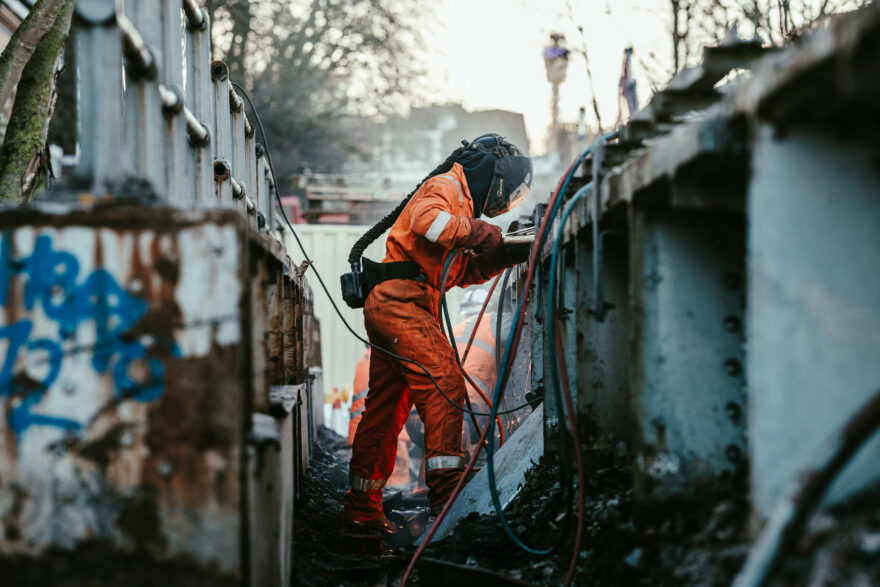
156 111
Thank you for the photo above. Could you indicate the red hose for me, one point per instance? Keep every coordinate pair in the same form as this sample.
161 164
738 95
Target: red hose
467 350
569 406
451 336
529 277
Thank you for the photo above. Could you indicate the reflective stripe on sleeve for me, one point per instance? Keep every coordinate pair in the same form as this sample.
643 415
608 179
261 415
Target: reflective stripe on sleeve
356 413
458 185
363 392
435 463
362 484
438 225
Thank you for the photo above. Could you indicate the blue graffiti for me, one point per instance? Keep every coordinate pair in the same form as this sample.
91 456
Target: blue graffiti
52 281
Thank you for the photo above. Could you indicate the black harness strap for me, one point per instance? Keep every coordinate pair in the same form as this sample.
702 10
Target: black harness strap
375 273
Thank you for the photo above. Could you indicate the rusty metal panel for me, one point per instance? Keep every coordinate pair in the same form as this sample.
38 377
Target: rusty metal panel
121 395
270 499
687 278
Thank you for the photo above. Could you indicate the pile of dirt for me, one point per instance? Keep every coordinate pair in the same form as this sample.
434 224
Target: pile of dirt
841 546
695 546
98 564
318 556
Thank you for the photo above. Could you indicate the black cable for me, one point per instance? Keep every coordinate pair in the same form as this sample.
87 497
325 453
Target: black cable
447 265
499 316
311 265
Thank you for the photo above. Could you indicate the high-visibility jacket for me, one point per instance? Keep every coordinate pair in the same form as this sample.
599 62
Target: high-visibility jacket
427 231
402 315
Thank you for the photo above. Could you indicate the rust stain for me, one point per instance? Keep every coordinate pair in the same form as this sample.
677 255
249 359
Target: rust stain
140 522
199 413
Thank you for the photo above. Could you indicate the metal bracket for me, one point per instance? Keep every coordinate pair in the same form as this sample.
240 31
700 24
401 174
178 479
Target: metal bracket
285 397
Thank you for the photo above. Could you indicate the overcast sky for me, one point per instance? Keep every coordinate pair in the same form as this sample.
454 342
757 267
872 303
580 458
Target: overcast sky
488 54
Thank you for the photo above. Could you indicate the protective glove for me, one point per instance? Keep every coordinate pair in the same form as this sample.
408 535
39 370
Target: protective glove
501 258
484 237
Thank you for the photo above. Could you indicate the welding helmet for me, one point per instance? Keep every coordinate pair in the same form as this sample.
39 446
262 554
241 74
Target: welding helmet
511 176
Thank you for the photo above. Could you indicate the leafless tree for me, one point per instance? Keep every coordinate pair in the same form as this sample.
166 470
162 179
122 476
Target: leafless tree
313 64
697 23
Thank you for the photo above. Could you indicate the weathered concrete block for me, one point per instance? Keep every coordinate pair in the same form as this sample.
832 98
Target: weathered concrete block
511 463
126 388
687 387
603 361
814 304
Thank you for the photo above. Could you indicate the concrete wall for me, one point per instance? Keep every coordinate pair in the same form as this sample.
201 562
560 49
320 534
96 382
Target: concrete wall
814 303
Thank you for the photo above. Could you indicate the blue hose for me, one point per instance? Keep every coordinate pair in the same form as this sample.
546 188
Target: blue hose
551 285
493 491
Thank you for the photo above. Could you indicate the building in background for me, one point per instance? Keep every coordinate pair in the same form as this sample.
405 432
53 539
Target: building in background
395 155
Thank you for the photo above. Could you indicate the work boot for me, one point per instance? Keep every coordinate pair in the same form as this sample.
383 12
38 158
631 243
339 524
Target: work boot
380 524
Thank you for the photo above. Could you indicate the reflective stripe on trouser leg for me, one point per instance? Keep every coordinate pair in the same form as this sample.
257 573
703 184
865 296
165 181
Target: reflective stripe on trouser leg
444 462
362 484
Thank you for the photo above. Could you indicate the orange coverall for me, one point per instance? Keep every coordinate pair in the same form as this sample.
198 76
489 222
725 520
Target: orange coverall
401 315
401 473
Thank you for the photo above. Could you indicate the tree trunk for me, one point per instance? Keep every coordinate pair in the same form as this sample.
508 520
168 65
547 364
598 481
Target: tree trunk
23 43
21 155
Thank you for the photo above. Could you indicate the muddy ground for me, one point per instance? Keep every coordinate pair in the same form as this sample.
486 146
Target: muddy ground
841 546
697 545
690 547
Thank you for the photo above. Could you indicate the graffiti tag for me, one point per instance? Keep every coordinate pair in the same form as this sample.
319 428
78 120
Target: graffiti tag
53 281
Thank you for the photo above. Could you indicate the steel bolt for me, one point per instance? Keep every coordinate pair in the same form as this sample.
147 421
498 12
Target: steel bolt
732 367
732 280
127 439
732 324
69 388
733 453
733 411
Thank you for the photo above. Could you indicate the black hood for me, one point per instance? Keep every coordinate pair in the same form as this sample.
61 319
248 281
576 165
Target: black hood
478 170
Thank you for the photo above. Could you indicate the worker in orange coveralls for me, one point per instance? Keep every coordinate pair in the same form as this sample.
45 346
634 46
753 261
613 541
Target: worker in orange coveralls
401 475
488 176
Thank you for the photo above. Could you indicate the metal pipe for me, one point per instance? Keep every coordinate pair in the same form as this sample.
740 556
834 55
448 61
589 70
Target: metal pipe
172 100
173 104
236 105
136 49
222 172
196 17
526 239
599 308
199 135
238 190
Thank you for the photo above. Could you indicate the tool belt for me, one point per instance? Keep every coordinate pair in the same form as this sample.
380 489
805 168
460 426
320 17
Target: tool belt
358 283
374 273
